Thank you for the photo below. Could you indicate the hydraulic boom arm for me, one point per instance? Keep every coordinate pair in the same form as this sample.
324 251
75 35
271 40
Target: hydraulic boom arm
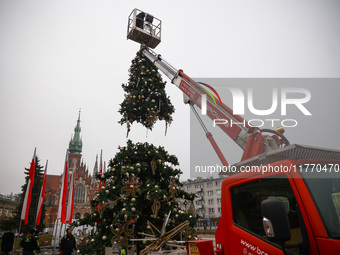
236 127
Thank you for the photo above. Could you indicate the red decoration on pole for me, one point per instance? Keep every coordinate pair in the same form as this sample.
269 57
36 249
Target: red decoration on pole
28 194
62 200
70 200
42 196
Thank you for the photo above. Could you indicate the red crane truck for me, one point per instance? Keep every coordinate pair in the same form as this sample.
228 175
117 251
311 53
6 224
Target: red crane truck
284 199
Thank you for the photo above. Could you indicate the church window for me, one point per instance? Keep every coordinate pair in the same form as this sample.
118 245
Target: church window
79 194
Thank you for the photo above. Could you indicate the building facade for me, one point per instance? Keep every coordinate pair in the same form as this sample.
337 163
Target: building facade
7 207
85 183
208 201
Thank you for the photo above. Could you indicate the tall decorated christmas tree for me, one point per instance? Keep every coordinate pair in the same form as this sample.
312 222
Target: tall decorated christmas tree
140 191
145 98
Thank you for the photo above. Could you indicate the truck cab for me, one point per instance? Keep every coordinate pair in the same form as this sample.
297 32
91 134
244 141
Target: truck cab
308 187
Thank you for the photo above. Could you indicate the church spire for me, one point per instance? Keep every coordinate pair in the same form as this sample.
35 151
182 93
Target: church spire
95 168
76 143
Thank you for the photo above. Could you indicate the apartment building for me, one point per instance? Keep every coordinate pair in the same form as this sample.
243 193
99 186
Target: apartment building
208 200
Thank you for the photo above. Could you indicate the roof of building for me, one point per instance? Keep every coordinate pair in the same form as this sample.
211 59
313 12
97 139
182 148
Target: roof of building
200 179
8 201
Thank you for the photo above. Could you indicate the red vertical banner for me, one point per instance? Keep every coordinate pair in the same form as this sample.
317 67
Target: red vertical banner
63 191
41 197
70 201
28 195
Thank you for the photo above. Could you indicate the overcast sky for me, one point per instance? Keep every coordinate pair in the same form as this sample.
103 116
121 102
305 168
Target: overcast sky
59 56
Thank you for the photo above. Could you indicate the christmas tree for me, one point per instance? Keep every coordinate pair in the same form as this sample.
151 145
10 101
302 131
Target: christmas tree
145 99
140 190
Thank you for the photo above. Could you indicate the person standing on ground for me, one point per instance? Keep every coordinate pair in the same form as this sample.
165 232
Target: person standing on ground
68 243
123 251
7 242
29 243
36 236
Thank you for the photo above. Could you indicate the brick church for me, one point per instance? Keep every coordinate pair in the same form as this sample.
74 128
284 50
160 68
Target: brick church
85 184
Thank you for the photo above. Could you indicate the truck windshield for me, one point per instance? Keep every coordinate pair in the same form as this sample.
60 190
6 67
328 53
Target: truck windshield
325 192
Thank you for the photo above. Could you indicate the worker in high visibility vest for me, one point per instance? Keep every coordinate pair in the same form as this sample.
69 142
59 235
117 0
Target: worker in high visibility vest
36 236
123 251
29 243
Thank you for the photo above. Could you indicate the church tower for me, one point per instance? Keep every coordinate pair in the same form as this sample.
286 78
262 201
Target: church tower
85 183
74 151
76 143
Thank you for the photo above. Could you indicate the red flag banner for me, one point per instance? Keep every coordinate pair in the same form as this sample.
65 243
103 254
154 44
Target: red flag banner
28 195
41 197
70 201
63 191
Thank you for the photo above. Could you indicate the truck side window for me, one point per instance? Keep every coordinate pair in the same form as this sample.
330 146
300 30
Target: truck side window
246 206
